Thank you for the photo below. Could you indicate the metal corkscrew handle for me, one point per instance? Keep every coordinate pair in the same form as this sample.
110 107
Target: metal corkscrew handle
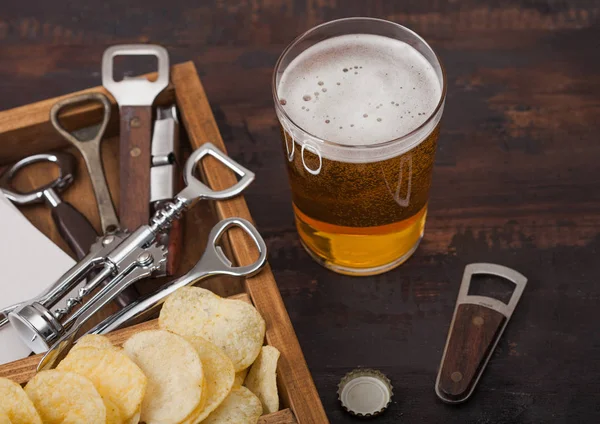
60 313
70 279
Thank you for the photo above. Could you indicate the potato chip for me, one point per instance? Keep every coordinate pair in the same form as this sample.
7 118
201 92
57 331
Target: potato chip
116 377
262 379
175 375
4 418
63 397
240 376
218 376
233 325
113 414
136 418
94 340
16 405
240 407
192 418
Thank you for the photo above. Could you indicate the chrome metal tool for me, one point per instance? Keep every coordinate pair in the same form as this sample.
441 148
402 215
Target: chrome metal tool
165 178
116 261
87 141
213 262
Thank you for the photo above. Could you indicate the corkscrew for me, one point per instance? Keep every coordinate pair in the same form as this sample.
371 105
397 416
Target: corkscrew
114 262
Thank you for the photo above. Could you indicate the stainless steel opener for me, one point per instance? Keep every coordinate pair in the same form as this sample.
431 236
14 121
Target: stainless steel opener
476 328
118 260
213 262
89 148
73 227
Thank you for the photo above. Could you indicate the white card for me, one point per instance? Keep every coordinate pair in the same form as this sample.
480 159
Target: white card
29 263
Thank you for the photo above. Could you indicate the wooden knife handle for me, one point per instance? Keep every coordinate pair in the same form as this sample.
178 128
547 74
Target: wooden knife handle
134 167
473 336
74 228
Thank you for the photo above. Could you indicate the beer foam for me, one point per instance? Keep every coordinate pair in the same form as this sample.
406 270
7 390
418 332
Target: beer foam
359 89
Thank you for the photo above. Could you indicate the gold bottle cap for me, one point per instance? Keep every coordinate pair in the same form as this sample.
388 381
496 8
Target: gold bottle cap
365 392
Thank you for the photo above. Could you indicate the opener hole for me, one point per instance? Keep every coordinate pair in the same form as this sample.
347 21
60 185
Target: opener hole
491 286
35 176
70 118
209 162
130 66
224 250
236 233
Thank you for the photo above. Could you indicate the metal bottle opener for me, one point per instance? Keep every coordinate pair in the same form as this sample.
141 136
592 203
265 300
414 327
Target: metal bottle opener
73 227
135 97
213 262
88 146
118 260
477 325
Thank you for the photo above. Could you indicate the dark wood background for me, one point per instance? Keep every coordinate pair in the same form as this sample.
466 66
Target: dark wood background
515 182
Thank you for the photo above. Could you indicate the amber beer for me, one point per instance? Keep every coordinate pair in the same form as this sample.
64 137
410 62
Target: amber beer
359 101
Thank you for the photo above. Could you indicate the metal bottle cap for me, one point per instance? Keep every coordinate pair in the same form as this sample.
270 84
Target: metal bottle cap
365 392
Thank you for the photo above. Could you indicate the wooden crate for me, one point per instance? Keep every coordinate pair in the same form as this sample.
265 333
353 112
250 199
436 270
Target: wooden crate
27 130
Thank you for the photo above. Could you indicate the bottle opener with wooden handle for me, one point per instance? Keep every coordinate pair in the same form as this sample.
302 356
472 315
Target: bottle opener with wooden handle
135 97
476 328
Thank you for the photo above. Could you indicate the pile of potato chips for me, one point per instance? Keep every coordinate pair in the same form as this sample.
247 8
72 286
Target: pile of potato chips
206 364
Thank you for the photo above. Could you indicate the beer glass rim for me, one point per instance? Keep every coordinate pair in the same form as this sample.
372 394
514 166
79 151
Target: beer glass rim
400 139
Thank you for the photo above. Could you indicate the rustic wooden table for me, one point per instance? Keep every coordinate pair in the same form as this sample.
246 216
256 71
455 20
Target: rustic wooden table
515 182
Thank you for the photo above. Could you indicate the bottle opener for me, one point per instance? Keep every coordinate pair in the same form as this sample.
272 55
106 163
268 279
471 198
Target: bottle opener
212 263
135 97
477 325
87 141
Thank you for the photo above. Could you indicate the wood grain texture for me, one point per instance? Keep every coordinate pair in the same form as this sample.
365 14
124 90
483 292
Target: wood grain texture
472 337
285 416
515 182
134 165
74 228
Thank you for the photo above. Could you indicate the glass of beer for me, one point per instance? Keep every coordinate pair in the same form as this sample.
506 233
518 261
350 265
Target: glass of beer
359 101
